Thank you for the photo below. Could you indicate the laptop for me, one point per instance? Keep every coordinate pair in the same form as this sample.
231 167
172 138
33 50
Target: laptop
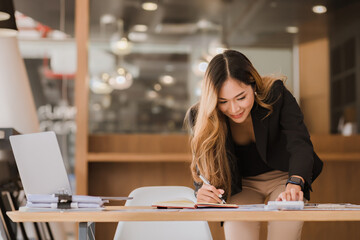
40 164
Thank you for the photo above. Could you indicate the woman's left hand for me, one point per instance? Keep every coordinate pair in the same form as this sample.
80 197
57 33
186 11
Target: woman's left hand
292 193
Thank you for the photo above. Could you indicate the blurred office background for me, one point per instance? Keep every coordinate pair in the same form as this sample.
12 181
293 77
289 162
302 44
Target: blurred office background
143 67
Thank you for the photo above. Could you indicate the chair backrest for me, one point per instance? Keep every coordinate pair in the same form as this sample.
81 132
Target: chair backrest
160 230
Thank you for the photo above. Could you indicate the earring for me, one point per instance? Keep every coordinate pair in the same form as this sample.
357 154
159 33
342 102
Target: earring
255 93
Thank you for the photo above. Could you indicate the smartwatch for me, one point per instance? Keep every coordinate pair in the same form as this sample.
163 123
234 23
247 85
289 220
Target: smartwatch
296 181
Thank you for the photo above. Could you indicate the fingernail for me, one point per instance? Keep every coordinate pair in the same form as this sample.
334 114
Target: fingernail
220 195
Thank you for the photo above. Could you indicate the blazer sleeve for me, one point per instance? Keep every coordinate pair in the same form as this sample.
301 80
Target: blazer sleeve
297 137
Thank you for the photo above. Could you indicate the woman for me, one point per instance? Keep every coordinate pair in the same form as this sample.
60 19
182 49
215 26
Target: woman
250 142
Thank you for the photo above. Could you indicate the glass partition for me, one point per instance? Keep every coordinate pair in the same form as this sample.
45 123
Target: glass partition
146 65
47 44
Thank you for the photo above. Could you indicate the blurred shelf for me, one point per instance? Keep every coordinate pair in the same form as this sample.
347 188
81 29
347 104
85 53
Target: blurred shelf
340 157
184 157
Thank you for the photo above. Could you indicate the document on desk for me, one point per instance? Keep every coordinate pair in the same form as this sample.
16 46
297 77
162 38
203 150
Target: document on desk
146 210
263 207
331 206
240 208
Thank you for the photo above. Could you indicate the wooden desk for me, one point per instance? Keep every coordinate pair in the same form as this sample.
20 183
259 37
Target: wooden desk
130 161
115 214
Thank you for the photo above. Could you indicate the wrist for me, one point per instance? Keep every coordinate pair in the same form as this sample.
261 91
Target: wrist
290 186
296 180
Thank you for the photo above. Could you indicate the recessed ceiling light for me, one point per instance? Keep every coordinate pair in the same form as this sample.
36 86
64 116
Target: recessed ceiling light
151 94
319 9
149 6
138 36
120 46
292 29
107 19
140 28
167 79
4 16
204 24
157 87
202 66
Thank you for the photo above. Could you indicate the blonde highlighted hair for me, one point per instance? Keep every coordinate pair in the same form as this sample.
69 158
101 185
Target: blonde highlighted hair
208 141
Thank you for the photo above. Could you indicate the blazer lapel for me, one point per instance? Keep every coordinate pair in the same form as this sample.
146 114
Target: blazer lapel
260 129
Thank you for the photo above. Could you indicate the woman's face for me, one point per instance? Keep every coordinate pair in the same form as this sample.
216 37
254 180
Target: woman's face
235 100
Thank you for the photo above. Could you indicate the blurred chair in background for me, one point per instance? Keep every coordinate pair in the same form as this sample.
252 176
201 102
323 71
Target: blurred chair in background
159 230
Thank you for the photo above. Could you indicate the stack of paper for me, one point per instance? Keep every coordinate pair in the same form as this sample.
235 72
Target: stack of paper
51 201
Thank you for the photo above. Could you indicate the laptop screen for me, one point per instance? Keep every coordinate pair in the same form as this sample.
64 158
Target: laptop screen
40 164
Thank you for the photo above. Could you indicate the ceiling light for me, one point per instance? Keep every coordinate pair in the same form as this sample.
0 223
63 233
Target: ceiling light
149 6
219 50
157 87
105 77
204 24
121 80
138 36
151 94
199 66
98 86
216 47
4 16
122 46
319 9
167 79
202 66
17 107
107 19
140 28
292 29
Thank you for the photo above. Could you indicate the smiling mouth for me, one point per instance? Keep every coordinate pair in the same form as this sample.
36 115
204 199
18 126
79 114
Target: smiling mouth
237 116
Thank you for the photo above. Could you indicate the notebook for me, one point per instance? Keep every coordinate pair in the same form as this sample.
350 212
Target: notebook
40 164
186 203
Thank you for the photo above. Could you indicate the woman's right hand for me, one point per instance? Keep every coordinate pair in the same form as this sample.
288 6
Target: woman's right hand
210 194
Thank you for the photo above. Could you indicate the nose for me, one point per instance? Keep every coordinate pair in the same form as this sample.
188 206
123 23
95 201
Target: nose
234 107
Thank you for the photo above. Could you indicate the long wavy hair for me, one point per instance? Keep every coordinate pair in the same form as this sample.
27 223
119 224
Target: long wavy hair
210 128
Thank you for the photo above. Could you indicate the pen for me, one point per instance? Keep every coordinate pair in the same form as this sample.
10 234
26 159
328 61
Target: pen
208 183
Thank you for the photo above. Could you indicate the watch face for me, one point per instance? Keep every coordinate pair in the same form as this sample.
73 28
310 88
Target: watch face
295 180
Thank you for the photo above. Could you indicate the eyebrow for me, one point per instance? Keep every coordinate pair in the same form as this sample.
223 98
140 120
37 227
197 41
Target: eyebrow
235 96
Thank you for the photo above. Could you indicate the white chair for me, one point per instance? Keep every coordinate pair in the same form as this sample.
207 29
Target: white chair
161 230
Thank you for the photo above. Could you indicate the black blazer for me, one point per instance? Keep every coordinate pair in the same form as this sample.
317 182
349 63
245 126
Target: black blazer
282 140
